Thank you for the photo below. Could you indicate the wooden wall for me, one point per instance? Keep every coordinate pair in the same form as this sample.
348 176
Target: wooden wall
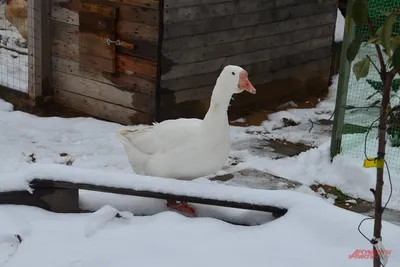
116 83
285 45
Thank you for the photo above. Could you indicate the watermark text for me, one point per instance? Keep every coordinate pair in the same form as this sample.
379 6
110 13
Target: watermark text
368 253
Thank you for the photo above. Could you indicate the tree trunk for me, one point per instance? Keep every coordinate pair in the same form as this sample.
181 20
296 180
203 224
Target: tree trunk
387 84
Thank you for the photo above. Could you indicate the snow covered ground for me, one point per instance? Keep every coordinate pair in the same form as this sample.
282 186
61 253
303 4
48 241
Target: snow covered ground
97 239
13 65
313 233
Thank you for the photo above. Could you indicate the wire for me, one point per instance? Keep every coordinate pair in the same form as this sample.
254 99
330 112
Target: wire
366 136
333 113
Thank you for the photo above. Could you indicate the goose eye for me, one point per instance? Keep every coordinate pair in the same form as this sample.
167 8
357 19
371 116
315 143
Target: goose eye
233 73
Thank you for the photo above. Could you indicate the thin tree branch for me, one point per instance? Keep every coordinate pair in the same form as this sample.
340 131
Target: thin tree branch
373 63
377 47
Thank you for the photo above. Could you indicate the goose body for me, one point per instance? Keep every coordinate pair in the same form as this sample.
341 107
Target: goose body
187 148
180 149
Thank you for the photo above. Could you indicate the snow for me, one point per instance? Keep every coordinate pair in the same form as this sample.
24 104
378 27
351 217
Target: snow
5 106
13 65
318 135
339 29
20 180
169 239
91 143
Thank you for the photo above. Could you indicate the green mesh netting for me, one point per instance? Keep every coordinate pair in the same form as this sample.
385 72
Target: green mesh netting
365 93
376 8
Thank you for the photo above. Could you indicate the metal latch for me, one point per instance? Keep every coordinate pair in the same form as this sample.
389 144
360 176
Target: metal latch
120 43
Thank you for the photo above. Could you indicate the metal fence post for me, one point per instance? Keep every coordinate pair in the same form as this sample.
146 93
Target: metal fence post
343 82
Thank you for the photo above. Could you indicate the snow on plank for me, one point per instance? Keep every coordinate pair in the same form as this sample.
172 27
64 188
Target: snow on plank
42 177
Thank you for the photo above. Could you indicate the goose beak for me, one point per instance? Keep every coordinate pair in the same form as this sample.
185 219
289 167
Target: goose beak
245 84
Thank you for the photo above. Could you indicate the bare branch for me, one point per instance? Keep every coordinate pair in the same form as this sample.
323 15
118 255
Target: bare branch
393 72
373 64
377 47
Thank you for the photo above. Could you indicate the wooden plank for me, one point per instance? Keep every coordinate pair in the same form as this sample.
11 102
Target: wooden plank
251 32
145 12
46 184
101 109
243 20
65 32
126 64
141 15
51 199
102 64
182 3
34 51
70 34
143 49
46 36
71 52
180 14
65 50
127 29
95 45
154 4
274 65
96 25
245 46
128 82
301 72
89 43
131 82
64 13
244 59
102 91
100 10
136 66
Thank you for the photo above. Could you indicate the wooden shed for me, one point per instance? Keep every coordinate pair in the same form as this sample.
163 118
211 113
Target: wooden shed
136 61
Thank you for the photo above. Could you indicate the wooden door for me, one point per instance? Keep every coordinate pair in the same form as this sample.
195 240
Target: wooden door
119 36
96 31
104 55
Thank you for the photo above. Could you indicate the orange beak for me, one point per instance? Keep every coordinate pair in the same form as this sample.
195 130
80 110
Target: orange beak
245 84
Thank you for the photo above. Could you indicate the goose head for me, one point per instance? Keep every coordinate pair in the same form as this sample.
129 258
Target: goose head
235 80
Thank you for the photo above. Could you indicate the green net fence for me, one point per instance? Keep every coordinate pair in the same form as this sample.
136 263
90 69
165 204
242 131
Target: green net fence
359 138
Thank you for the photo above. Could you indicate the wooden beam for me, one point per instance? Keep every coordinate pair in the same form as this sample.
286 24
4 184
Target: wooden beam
51 199
39 46
101 109
141 3
46 184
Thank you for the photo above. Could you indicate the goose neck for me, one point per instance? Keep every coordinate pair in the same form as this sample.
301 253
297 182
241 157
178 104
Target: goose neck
219 104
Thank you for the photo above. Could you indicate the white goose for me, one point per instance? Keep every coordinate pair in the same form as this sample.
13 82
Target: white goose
187 149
